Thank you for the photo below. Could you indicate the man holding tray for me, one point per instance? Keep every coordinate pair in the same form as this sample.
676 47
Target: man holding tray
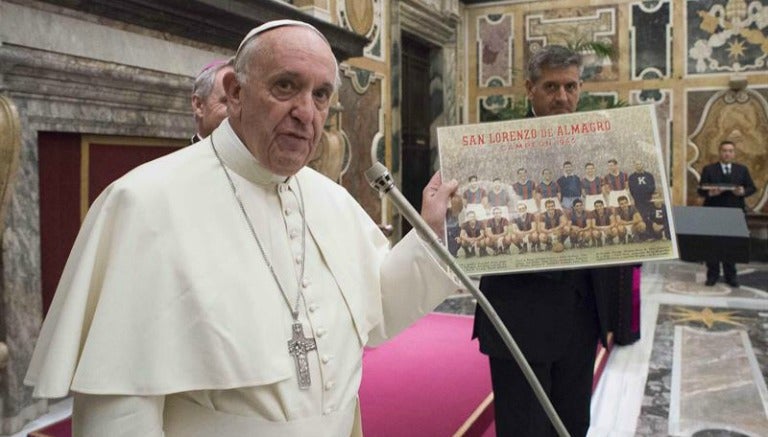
726 184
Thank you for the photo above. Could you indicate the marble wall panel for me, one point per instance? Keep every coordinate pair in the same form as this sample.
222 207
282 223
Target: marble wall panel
500 107
662 100
361 121
726 36
365 17
575 26
495 43
650 33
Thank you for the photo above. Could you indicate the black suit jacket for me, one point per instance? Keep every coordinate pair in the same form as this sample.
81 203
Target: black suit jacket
713 174
541 310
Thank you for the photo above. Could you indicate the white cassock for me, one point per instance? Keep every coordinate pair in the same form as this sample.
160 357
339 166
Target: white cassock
167 309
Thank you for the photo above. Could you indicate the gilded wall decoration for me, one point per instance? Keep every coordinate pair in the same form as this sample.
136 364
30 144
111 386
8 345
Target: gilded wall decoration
740 116
495 42
650 33
10 145
364 17
362 123
333 153
574 26
727 36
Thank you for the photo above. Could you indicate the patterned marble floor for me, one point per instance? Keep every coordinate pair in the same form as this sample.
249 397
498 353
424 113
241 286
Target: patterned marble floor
701 364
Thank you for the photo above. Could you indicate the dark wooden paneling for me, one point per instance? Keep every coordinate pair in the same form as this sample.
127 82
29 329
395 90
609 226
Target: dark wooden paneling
416 118
59 168
60 192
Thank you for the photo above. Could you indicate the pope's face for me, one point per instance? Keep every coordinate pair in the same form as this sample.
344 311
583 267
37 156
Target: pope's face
280 110
555 92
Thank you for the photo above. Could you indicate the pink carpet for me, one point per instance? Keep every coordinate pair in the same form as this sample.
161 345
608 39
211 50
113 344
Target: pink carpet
427 381
431 380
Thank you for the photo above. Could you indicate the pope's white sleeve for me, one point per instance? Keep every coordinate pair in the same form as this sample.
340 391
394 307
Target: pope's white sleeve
117 416
413 283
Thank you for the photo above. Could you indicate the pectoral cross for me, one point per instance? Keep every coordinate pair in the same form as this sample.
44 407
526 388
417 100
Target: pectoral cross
298 346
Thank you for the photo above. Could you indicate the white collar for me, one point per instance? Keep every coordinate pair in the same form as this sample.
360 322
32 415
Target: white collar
238 158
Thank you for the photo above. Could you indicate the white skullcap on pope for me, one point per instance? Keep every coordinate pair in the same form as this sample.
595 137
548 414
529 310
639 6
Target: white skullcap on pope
269 25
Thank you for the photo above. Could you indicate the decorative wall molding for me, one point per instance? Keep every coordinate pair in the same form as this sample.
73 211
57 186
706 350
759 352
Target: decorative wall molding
650 33
662 100
584 24
132 100
437 27
219 22
365 17
360 78
495 44
728 37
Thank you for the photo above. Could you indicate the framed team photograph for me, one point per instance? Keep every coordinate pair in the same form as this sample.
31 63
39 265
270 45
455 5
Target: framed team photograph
566 191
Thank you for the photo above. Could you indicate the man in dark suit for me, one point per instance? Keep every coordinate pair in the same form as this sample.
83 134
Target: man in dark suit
209 101
726 184
555 317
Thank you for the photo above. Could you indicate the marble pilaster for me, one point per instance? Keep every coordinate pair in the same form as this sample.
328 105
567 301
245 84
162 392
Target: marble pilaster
62 93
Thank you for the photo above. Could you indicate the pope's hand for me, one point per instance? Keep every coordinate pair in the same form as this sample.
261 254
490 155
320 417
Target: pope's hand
434 202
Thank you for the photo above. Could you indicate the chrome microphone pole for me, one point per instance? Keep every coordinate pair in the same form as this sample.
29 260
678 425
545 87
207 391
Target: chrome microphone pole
380 179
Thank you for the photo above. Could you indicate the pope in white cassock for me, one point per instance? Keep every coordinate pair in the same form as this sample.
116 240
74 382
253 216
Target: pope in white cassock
228 290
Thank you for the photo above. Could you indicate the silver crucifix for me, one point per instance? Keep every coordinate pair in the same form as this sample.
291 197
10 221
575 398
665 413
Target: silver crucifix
298 346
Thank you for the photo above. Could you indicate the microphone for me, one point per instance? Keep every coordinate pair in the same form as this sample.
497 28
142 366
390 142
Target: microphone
379 178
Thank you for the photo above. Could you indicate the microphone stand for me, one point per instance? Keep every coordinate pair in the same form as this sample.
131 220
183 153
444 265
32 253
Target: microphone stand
380 179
